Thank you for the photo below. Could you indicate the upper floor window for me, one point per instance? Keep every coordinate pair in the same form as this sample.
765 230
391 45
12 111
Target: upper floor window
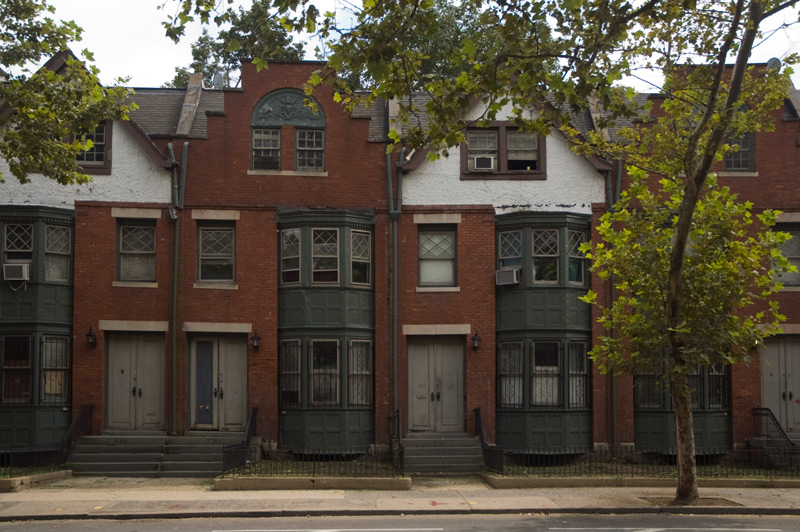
310 149
137 251
360 257
545 255
97 158
576 262
325 256
437 257
19 243
216 253
510 252
502 151
290 256
742 157
791 250
57 253
284 113
266 149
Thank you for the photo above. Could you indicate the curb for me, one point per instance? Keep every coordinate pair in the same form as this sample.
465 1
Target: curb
496 482
311 483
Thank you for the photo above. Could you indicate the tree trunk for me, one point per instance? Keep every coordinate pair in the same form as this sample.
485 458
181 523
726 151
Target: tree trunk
687 492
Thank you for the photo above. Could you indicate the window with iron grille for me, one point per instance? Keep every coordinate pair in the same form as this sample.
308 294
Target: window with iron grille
325 372
361 257
290 374
290 256
137 251
266 149
325 256
16 369
96 154
545 255
57 253
742 157
578 375
648 392
719 391
510 249
437 257
55 386
19 243
577 260
360 369
546 374
310 150
216 258
509 375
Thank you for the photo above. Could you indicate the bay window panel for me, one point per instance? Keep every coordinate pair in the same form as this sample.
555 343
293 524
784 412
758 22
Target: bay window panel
578 375
19 242
289 386
510 375
545 255
325 256
16 369
55 370
361 257
361 376
546 378
290 256
510 249
325 372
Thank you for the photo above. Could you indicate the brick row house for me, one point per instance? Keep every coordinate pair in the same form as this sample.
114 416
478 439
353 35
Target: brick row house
237 250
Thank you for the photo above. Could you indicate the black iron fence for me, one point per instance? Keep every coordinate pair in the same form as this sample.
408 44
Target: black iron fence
317 462
642 463
237 454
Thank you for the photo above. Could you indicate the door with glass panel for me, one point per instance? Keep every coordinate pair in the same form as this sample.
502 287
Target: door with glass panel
219 383
436 384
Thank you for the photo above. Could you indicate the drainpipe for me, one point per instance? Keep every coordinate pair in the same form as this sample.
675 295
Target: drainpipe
613 294
394 214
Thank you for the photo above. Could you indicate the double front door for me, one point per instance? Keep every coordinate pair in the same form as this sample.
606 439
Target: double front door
780 380
135 382
219 382
436 384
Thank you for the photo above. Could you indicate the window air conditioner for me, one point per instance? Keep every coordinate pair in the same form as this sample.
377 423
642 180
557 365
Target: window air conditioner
483 163
16 272
506 277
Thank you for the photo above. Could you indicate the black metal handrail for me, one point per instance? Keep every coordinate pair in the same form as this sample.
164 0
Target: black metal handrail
766 425
236 454
492 454
80 426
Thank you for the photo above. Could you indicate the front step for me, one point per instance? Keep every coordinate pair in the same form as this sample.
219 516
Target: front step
442 454
198 454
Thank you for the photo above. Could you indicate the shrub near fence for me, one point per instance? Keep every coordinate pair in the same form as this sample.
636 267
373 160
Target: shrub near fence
341 462
657 463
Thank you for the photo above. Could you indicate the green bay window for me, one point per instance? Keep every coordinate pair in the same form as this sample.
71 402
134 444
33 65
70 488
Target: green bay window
325 372
290 374
510 375
360 373
545 377
290 256
325 256
57 253
55 389
16 369
545 256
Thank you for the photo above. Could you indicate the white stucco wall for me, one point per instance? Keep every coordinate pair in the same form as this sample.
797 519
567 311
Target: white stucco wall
572 184
134 178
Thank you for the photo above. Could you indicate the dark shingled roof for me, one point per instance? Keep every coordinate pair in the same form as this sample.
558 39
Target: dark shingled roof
160 109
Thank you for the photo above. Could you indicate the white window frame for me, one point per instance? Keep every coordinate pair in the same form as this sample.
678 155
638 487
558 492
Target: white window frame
294 257
362 260
423 232
52 253
360 374
18 250
267 138
98 148
547 256
302 153
315 255
479 145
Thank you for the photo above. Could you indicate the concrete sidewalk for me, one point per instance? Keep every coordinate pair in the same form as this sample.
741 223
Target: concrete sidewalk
134 498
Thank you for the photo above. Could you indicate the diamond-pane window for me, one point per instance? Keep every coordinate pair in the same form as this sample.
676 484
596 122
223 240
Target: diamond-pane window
577 260
216 254
510 249
791 250
437 254
325 255
290 255
137 253
58 250
361 257
19 242
545 255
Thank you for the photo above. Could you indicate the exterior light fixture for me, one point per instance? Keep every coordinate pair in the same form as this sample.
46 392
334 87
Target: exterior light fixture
91 338
255 340
476 341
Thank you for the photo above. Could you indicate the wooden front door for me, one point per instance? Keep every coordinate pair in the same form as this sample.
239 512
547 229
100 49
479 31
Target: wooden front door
136 381
436 384
219 383
780 380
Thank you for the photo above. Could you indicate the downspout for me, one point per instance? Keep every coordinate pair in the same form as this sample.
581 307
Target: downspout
613 294
394 214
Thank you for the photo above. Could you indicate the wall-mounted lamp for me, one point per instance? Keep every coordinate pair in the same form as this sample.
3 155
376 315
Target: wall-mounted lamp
476 341
255 340
91 338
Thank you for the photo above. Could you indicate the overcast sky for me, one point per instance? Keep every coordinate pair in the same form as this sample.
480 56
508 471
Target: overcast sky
128 40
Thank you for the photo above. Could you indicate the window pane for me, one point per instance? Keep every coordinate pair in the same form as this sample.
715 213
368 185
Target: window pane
523 150
742 158
482 150
95 154
310 149
290 255
576 257
578 376
16 369
19 242
137 248
546 390
360 362
325 256
216 254
55 370
511 249
290 376
545 255
719 387
325 372
361 257
509 372
266 149
57 253
437 258
791 250
648 392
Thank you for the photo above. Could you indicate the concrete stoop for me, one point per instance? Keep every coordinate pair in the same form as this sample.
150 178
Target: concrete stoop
445 454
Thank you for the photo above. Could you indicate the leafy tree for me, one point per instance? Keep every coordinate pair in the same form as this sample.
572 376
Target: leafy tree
560 55
44 114
249 34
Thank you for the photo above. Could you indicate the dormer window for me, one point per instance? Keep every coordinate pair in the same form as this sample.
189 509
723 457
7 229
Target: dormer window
97 158
502 151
